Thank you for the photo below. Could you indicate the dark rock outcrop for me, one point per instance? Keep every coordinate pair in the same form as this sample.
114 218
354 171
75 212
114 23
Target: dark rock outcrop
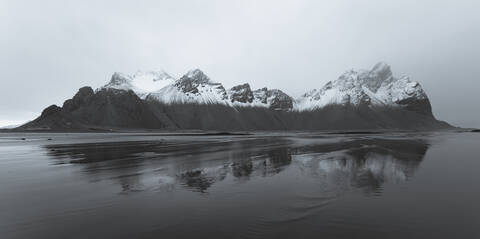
80 99
51 110
241 93
421 106
278 99
106 108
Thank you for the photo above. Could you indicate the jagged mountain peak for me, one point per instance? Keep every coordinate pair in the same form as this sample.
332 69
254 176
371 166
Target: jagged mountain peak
274 98
242 86
382 71
142 83
241 93
195 81
119 78
360 99
373 79
375 87
195 75
195 72
193 87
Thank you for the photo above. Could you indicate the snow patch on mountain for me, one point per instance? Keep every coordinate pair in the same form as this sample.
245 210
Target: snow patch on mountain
142 83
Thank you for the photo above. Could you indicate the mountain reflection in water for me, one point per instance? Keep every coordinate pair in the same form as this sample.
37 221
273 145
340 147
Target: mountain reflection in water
268 185
358 162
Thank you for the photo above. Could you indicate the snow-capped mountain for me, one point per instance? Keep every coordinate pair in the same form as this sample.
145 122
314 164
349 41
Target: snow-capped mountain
365 99
193 87
142 83
376 87
274 98
242 95
196 87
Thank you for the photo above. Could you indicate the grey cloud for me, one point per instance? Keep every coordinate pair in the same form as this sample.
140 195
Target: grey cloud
52 48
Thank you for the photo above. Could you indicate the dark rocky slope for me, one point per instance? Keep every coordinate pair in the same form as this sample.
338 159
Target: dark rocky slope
115 109
105 108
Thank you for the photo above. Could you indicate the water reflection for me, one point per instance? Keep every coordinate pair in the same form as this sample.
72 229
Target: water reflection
201 179
362 162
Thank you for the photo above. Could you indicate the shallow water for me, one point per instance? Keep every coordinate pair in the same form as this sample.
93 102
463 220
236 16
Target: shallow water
403 185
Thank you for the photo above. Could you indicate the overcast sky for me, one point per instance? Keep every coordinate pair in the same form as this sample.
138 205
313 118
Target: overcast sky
49 49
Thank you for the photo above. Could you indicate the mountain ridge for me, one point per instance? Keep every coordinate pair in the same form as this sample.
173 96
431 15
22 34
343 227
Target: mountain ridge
363 99
377 86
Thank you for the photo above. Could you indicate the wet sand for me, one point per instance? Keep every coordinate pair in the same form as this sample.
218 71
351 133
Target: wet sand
264 185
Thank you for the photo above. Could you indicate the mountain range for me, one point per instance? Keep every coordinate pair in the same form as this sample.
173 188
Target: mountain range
363 99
